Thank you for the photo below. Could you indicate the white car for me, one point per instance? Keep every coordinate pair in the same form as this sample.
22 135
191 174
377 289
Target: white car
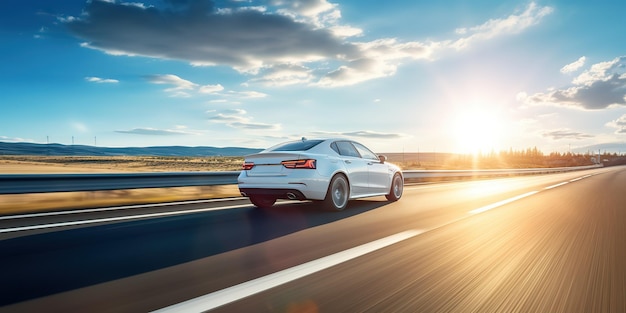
329 170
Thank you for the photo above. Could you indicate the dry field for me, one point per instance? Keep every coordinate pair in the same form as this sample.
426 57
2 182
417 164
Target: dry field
12 204
114 164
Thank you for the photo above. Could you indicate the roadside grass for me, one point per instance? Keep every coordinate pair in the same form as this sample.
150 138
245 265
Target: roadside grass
41 202
112 164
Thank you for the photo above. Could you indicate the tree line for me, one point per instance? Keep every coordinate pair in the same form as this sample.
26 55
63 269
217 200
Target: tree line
527 158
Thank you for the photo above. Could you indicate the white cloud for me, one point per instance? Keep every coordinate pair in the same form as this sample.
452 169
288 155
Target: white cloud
99 80
602 71
284 43
257 126
182 88
235 111
170 79
247 39
218 101
284 75
361 134
247 94
574 66
226 118
602 86
14 139
566 134
237 118
346 31
316 12
211 88
512 24
358 71
179 94
156 132
185 88
78 126
308 7
381 57
619 125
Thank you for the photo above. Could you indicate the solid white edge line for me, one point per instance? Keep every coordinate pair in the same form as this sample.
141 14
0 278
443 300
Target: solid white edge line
557 185
122 218
501 203
114 219
240 291
579 178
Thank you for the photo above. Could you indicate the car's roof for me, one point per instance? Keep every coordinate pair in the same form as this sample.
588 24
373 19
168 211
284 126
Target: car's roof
304 140
327 139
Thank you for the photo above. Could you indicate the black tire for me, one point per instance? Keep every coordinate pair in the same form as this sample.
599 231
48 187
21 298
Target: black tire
263 202
397 187
338 193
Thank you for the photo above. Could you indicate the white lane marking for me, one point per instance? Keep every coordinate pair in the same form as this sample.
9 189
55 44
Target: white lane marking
130 217
579 178
221 297
557 185
115 219
501 203
136 206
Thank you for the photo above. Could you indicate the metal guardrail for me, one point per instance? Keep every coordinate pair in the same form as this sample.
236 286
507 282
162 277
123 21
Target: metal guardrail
42 183
491 173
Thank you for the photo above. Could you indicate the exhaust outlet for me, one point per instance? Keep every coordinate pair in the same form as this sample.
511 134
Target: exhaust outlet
291 196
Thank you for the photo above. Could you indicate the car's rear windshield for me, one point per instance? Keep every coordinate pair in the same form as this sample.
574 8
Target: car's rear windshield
297 145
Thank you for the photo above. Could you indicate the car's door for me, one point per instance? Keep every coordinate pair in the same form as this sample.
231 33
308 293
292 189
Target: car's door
379 179
356 167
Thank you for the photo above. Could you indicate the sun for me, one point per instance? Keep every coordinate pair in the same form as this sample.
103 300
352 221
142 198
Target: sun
477 131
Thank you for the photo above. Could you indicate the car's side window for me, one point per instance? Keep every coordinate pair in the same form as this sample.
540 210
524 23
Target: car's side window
365 152
346 149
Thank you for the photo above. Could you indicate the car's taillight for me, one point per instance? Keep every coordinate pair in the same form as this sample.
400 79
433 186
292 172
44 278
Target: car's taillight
247 166
308 163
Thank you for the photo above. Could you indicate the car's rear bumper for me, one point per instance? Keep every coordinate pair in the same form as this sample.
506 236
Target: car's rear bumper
281 187
292 194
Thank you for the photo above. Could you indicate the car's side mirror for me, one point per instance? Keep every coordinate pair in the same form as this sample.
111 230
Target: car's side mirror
382 158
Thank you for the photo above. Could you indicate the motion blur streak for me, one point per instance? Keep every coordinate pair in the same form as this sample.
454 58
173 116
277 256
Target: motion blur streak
114 219
222 297
560 250
501 203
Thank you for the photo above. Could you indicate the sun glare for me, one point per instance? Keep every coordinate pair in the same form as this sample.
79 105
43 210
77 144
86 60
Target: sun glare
477 131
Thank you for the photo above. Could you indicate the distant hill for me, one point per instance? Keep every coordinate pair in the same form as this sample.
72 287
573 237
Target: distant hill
24 148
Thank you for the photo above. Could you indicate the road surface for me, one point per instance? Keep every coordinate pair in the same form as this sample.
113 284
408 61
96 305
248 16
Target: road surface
548 243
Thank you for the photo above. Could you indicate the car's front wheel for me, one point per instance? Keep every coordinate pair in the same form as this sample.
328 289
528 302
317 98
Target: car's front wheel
338 193
262 202
397 187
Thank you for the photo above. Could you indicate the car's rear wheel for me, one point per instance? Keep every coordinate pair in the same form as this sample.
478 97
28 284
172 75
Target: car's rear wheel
397 187
338 193
263 202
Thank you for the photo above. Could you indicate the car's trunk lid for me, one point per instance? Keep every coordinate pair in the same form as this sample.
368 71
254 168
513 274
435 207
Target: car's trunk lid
269 164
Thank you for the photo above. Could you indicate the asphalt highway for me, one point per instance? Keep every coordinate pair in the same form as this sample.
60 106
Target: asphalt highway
547 243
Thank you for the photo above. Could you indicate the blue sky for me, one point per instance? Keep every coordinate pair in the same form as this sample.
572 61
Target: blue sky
444 76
